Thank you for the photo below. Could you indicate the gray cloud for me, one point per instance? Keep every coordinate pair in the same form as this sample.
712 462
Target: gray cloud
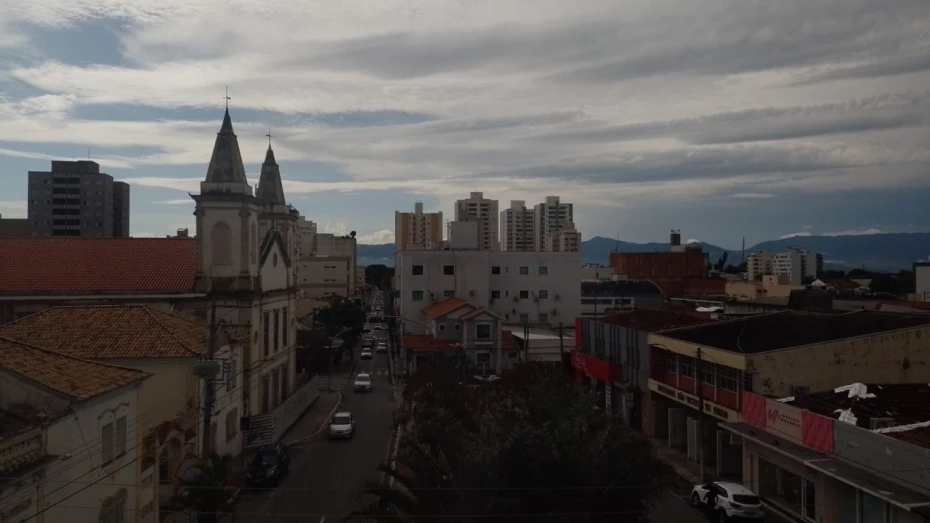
886 67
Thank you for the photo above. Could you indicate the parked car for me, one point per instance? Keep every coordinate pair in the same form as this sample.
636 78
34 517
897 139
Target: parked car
381 347
366 354
362 383
342 426
269 465
727 501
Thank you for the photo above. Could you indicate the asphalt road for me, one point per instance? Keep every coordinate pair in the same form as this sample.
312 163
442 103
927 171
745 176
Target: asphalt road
674 508
326 475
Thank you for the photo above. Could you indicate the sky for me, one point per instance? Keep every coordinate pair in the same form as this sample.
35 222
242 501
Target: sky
723 118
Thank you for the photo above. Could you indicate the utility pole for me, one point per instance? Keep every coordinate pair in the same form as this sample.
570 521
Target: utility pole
699 379
208 393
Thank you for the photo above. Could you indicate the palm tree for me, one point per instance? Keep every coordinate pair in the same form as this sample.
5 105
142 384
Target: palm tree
206 488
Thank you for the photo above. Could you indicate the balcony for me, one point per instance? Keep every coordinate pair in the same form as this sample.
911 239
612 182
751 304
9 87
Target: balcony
596 367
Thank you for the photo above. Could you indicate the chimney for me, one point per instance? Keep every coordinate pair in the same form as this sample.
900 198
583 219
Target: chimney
675 240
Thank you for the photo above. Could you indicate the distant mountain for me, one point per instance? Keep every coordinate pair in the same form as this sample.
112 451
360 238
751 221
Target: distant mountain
879 252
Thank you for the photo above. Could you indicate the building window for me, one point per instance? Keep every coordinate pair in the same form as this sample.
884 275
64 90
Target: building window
543 294
442 327
727 379
495 295
448 270
483 331
231 372
120 436
266 333
790 491
106 443
285 327
495 269
686 367
277 330
708 374
417 270
114 508
417 295
220 238
164 474
524 318
524 270
543 270
543 317
457 327
448 294
483 358
283 382
524 295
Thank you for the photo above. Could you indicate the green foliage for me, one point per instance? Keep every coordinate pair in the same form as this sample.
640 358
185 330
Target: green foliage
339 315
208 486
529 444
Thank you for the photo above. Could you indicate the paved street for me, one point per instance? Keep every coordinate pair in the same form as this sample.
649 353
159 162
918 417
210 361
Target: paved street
326 475
674 508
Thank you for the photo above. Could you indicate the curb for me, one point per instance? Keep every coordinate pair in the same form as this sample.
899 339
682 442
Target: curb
322 426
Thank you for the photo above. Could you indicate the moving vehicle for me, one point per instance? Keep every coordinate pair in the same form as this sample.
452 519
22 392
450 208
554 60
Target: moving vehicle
362 383
381 347
366 354
269 465
342 426
727 501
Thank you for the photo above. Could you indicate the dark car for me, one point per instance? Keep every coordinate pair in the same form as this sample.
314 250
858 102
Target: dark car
268 466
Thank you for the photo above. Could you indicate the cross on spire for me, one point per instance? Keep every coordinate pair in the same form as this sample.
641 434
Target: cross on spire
227 97
270 136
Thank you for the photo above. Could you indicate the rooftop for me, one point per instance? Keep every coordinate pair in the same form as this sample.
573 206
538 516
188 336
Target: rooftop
655 320
426 343
443 307
619 288
110 332
65 265
76 378
783 330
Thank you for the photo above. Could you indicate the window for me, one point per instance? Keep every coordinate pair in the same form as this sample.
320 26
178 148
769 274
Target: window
448 294
220 238
543 270
495 295
283 382
442 327
266 333
120 436
106 443
543 317
253 244
727 379
417 295
417 270
232 424
164 473
483 331
512 355
790 491
231 373
114 508
495 269
524 271
483 358
458 327
448 270
524 318
277 330
686 367
708 373
543 294
284 327
524 295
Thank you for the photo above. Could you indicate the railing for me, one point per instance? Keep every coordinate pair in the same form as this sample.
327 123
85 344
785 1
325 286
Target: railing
266 429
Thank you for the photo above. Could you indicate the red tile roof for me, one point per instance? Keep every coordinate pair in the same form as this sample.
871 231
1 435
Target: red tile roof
478 312
60 265
111 332
426 343
444 307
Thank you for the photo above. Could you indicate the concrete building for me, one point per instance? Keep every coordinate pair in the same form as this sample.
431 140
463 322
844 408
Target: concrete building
417 230
598 298
76 199
477 208
682 270
592 272
520 287
769 286
565 239
797 264
518 227
854 453
15 227
922 281
329 269
779 354
551 216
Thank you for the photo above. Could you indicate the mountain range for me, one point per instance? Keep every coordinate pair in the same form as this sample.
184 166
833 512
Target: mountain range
886 252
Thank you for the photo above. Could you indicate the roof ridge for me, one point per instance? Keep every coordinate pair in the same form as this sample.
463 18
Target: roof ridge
170 332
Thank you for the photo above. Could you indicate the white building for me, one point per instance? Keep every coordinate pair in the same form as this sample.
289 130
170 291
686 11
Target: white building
551 216
417 230
518 228
922 280
484 211
67 436
565 239
797 264
521 287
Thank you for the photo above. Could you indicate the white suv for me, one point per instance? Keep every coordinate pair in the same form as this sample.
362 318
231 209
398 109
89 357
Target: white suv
727 501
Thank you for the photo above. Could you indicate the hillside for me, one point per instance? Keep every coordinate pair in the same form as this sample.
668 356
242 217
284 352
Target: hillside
882 252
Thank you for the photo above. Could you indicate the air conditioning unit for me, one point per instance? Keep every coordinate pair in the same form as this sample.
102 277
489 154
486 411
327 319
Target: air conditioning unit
882 423
554 312
557 297
516 299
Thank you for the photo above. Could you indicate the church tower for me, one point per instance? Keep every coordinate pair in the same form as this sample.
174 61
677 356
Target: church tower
227 220
275 213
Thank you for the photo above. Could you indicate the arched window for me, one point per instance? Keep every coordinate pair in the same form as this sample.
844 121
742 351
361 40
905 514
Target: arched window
253 244
220 239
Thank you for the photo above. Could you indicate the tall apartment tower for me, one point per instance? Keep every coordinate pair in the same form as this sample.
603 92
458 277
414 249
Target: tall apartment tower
566 239
551 216
76 199
518 227
417 230
478 208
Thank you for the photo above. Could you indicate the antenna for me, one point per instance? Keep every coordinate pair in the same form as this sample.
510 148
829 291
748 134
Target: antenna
227 98
744 250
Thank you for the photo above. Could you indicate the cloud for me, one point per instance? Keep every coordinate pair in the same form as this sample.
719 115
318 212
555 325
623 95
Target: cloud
794 235
807 227
13 209
181 201
752 195
848 232
377 238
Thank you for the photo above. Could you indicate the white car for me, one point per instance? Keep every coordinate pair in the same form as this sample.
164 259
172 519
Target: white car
342 426
362 383
727 501
366 354
381 347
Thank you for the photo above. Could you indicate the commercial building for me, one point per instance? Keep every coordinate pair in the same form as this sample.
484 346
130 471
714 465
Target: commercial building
76 199
518 227
484 211
598 298
922 281
520 287
769 286
417 230
779 354
551 216
682 270
797 264
15 227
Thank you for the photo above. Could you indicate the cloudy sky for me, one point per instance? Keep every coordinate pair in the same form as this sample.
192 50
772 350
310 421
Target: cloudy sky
725 118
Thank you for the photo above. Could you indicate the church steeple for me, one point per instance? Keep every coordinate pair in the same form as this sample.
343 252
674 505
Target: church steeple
226 163
270 189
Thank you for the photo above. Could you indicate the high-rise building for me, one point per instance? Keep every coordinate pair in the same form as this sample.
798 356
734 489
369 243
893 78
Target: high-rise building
417 230
485 211
565 239
797 264
76 199
518 228
551 216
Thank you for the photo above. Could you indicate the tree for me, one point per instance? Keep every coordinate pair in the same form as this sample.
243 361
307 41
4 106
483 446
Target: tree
340 315
207 487
529 444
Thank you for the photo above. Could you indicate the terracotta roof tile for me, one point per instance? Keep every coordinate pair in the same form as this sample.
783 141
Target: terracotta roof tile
110 332
441 308
73 377
478 312
79 265
508 341
426 343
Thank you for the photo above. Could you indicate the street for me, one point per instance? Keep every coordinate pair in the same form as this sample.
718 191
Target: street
326 475
673 507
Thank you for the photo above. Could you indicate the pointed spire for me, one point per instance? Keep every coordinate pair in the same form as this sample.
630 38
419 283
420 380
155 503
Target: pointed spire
226 163
270 188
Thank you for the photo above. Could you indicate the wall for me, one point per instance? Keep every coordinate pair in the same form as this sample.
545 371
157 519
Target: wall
228 406
752 453
884 456
892 357
323 276
660 265
275 274
474 282
922 281
228 212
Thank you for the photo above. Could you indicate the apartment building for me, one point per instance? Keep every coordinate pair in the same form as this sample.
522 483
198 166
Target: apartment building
328 266
76 199
520 287
797 264
551 216
477 208
566 239
518 228
417 230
